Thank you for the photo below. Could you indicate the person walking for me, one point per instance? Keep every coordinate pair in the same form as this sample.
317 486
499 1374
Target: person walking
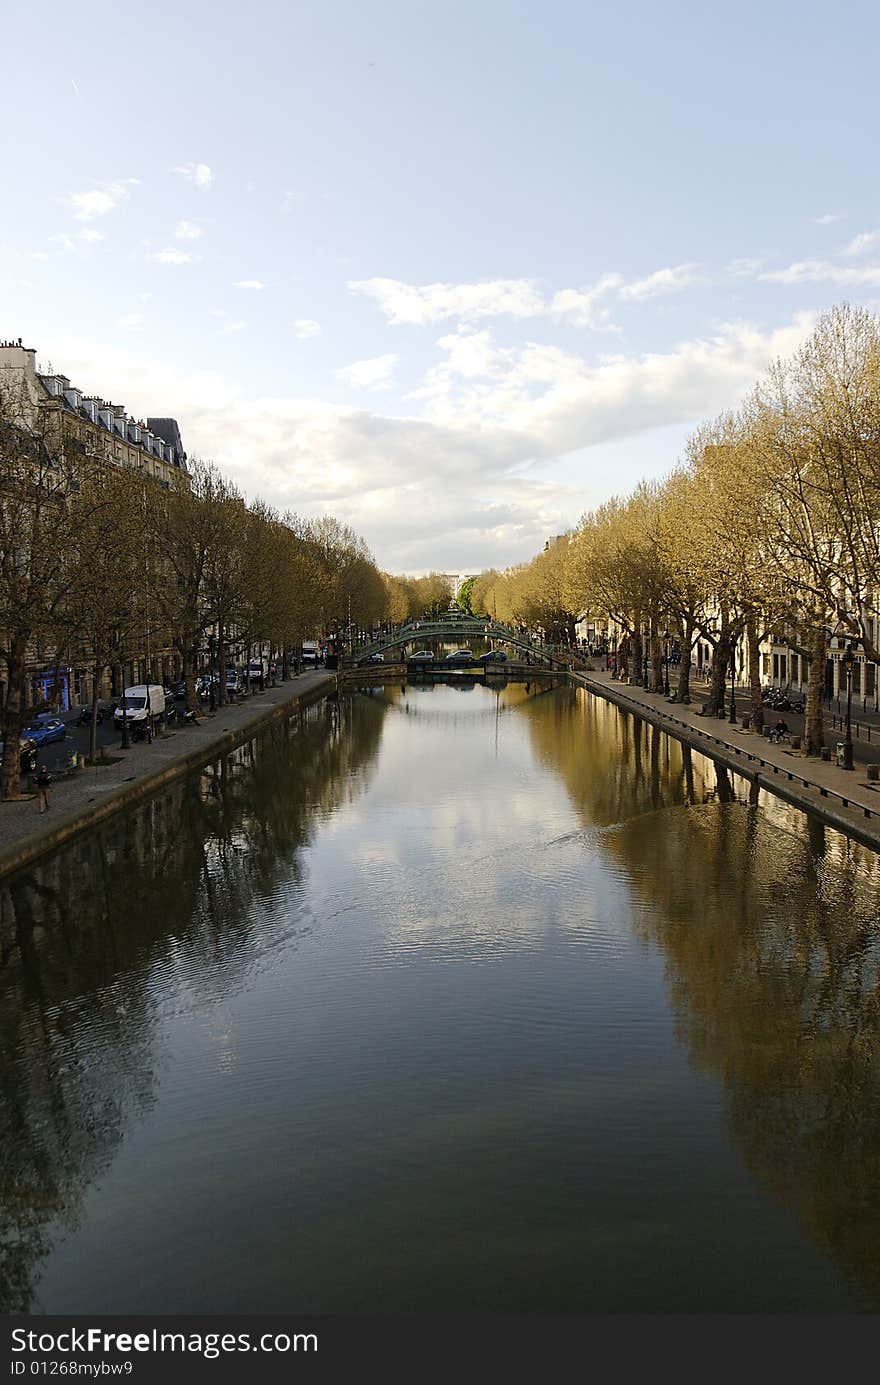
42 780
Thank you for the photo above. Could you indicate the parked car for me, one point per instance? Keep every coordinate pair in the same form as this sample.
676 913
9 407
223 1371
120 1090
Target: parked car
139 702
421 656
234 682
27 754
178 690
376 659
258 669
43 732
493 656
460 656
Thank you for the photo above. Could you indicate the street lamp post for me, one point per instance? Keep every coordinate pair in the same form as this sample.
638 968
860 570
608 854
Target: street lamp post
666 662
645 637
732 717
126 742
848 661
212 645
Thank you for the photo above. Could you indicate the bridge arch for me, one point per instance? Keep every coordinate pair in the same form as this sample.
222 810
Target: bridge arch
417 631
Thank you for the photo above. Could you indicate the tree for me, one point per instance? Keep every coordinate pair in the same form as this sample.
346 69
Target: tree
39 474
99 611
465 593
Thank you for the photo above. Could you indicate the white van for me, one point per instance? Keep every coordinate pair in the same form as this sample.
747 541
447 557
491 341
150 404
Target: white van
140 701
258 668
310 651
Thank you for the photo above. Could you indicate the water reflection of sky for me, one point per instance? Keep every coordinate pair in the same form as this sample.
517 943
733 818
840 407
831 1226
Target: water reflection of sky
454 998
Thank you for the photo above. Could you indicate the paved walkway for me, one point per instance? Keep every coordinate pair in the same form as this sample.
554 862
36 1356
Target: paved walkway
865 726
845 798
92 793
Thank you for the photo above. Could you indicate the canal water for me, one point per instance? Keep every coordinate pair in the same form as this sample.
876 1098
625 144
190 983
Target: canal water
444 998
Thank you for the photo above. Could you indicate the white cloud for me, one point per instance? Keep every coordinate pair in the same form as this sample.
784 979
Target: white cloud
306 327
250 284
864 244
746 267
38 255
462 476
199 175
187 230
90 235
130 320
99 200
172 256
821 272
416 304
672 280
582 306
828 218
377 373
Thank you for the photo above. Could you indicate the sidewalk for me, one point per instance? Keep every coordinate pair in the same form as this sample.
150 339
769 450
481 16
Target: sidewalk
865 726
843 798
93 794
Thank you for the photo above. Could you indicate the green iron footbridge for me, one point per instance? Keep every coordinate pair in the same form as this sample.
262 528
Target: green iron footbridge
417 633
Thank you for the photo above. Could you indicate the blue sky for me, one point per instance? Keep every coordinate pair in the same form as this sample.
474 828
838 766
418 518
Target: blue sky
453 273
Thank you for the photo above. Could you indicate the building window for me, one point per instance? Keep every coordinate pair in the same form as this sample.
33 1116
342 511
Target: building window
870 679
795 668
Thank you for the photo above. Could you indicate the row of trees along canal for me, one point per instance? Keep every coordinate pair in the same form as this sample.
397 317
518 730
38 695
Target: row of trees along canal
769 526
101 566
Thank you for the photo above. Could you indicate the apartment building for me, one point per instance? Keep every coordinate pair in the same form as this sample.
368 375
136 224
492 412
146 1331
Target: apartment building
46 402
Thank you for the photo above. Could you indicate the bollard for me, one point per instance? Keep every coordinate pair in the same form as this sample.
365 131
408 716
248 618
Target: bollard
874 772
795 742
746 723
825 752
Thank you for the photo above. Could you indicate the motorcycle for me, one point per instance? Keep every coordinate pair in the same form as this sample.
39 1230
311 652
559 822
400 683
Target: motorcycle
85 716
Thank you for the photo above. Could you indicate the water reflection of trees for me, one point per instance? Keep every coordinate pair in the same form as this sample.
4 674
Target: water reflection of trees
772 945
87 936
613 764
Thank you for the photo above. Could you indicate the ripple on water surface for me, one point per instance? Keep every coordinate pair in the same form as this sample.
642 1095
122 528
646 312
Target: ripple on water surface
446 999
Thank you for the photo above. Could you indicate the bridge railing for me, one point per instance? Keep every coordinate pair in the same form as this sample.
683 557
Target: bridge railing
415 631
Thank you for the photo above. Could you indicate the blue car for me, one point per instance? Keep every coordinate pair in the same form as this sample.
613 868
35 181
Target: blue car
45 731
493 656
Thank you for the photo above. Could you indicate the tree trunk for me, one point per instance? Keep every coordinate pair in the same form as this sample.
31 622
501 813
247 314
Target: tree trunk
719 675
658 664
684 668
635 671
221 665
813 721
189 676
93 728
754 655
10 771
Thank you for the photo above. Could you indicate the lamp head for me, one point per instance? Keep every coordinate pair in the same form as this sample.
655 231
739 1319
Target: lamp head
849 657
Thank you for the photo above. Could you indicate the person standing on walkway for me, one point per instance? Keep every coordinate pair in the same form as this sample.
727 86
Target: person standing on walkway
42 780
